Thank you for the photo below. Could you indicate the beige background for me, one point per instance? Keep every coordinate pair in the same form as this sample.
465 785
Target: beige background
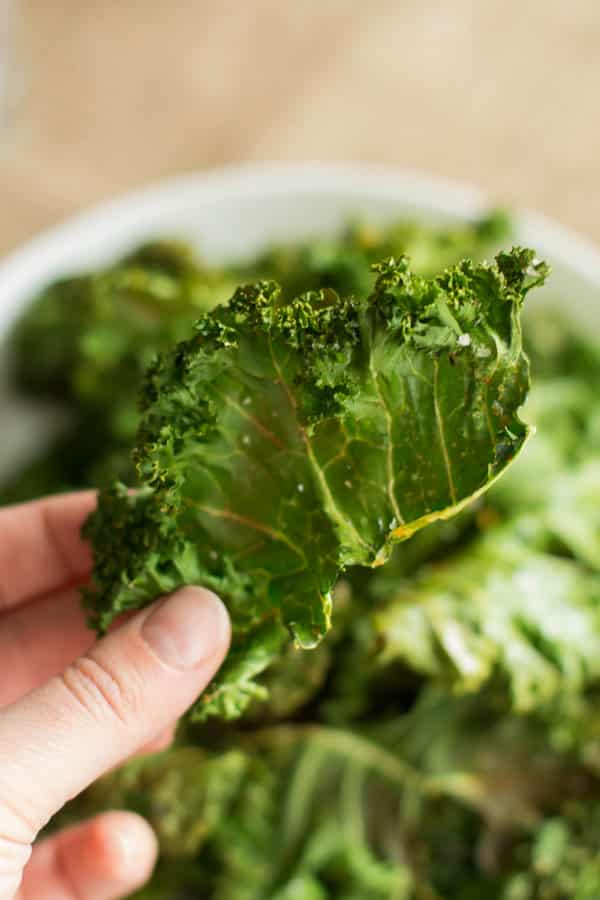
500 93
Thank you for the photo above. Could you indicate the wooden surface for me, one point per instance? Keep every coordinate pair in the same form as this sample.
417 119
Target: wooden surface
503 94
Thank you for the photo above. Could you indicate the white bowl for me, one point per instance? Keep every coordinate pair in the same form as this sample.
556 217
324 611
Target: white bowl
233 214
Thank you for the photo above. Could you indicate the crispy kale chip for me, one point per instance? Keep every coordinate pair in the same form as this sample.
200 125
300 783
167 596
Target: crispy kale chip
344 262
85 330
289 813
424 804
562 862
288 440
84 345
499 611
87 333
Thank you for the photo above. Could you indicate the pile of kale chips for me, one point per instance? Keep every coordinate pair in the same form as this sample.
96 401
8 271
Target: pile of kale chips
428 728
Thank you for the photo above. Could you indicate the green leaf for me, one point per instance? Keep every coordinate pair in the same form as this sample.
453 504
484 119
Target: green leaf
287 441
500 608
92 332
562 860
564 505
86 341
184 793
343 262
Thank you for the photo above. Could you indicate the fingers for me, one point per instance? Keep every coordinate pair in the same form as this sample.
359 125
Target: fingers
126 690
38 640
41 549
104 859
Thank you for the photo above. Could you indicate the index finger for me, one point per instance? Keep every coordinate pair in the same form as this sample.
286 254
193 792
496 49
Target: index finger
41 548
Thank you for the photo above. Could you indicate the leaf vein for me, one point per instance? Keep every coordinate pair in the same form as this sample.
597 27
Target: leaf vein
440 427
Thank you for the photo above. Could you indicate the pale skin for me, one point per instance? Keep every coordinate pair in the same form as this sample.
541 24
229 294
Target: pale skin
72 707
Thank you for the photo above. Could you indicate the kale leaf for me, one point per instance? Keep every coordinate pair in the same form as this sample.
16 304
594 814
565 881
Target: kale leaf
290 439
500 610
88 332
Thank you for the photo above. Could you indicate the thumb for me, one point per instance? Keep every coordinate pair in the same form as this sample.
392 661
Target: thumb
110 702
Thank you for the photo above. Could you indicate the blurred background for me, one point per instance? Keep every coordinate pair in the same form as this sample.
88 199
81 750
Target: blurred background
106 95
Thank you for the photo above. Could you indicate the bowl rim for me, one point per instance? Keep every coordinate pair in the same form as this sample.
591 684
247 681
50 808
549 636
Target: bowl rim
116 220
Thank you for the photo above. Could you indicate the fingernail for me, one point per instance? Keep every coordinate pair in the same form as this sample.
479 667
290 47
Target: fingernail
124 846
187 628
126 851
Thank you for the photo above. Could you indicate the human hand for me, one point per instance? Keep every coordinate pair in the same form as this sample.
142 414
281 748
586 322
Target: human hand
71 708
